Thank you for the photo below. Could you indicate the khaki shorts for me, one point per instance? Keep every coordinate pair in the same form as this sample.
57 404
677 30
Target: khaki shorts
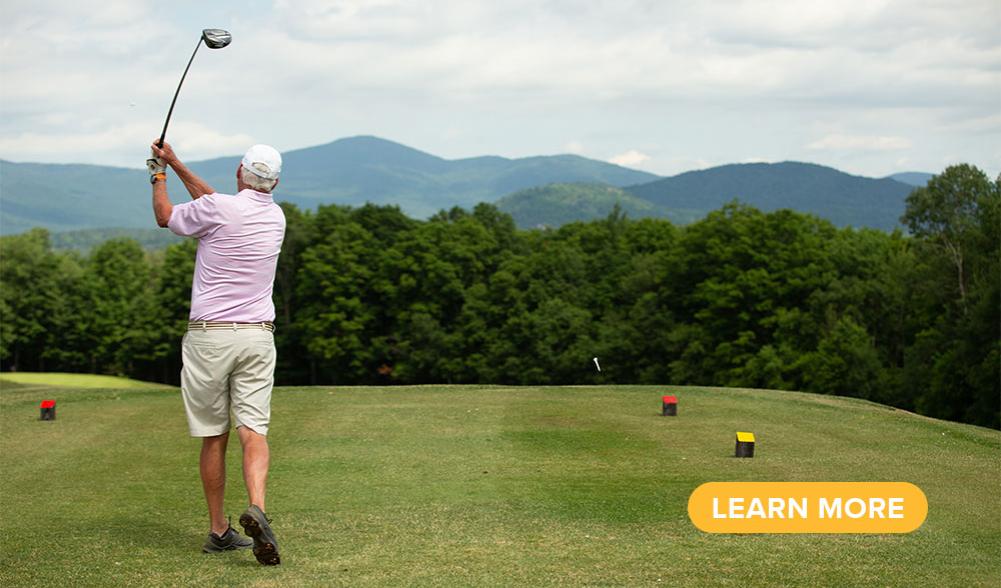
225 370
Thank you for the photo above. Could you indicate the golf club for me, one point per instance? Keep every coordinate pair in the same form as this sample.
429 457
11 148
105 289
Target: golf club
214 39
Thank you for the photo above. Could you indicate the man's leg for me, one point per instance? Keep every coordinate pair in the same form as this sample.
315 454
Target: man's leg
255 474
213 470
205 390
256 458
250 388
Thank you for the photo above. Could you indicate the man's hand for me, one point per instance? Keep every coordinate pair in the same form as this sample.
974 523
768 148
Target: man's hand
195 185
165 153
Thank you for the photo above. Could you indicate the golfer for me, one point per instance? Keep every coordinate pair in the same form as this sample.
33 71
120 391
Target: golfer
228 352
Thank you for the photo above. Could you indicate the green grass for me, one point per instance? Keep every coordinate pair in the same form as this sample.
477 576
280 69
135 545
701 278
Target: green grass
485 486
63 380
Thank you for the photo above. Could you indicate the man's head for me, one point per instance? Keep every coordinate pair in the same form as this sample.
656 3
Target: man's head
259 169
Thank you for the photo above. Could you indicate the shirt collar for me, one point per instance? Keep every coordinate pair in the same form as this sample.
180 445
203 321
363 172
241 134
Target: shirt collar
257 195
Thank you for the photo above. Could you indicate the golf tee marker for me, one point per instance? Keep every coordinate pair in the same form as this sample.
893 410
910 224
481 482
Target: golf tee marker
48 410
745 444
669 406
807 507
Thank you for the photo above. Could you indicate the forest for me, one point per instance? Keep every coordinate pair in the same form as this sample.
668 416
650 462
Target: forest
741 298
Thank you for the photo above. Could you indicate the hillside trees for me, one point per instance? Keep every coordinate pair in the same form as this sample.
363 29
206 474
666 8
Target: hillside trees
949 213
173 272
953 361
124 319
746 284
35 285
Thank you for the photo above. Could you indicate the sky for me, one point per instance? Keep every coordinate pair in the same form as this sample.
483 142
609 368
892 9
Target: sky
871 87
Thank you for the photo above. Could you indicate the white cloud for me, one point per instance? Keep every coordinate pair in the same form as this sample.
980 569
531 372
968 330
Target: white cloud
128 144
351 19
712 80
630 158
838 142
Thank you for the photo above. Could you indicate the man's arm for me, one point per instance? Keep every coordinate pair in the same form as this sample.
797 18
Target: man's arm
162 208
196 186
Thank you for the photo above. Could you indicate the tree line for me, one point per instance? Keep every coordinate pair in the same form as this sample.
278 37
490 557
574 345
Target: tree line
743 298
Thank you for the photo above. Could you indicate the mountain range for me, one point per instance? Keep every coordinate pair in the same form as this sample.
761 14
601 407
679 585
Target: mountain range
844 199
546 190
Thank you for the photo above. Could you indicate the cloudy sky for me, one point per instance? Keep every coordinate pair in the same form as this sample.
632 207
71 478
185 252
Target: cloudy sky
871 87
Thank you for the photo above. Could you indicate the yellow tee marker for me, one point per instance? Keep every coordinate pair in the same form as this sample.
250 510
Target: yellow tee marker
745 444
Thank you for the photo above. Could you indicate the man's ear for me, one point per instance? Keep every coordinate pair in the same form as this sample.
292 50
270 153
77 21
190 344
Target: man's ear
276 184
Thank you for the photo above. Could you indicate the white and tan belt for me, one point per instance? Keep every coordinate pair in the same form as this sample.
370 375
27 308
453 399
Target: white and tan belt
220 325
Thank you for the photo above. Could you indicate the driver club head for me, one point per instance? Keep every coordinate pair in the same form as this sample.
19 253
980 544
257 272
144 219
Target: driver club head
216 38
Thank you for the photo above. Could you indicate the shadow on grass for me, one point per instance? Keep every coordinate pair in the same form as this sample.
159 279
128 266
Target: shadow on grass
176 541
150 531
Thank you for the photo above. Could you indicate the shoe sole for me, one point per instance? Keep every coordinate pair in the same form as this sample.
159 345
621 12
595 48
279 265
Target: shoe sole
225 549
264 551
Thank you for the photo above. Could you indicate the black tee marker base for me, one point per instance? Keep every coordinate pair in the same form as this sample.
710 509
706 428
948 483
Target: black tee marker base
745 444
669 406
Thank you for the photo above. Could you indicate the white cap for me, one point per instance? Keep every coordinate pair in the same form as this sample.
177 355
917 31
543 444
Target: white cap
263 161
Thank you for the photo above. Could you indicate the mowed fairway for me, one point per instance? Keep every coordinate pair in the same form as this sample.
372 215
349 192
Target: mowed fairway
485 486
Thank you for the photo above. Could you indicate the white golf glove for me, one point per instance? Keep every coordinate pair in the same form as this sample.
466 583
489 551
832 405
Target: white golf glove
157 169
156 165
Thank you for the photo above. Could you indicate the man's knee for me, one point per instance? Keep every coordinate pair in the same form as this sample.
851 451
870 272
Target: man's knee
215 443
249 435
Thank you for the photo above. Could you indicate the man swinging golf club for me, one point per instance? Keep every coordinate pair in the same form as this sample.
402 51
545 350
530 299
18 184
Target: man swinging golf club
228 352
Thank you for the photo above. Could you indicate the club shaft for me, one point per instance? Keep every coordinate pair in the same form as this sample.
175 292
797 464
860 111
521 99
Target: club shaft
174 101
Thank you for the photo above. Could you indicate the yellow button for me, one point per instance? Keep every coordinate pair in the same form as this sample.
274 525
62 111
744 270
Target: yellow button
807 507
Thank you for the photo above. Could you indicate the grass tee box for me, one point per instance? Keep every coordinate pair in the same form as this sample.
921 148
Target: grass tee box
485 486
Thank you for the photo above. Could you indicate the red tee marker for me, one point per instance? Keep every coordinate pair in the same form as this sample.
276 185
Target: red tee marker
669 406
48 410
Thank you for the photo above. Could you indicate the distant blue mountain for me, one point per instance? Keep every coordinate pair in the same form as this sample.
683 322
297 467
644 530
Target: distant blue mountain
918 179
71 197
844 199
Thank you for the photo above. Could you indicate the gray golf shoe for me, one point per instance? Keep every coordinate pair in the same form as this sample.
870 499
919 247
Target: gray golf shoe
256 525
229 541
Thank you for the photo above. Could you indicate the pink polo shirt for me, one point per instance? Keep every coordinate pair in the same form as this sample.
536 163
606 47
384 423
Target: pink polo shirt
239 238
